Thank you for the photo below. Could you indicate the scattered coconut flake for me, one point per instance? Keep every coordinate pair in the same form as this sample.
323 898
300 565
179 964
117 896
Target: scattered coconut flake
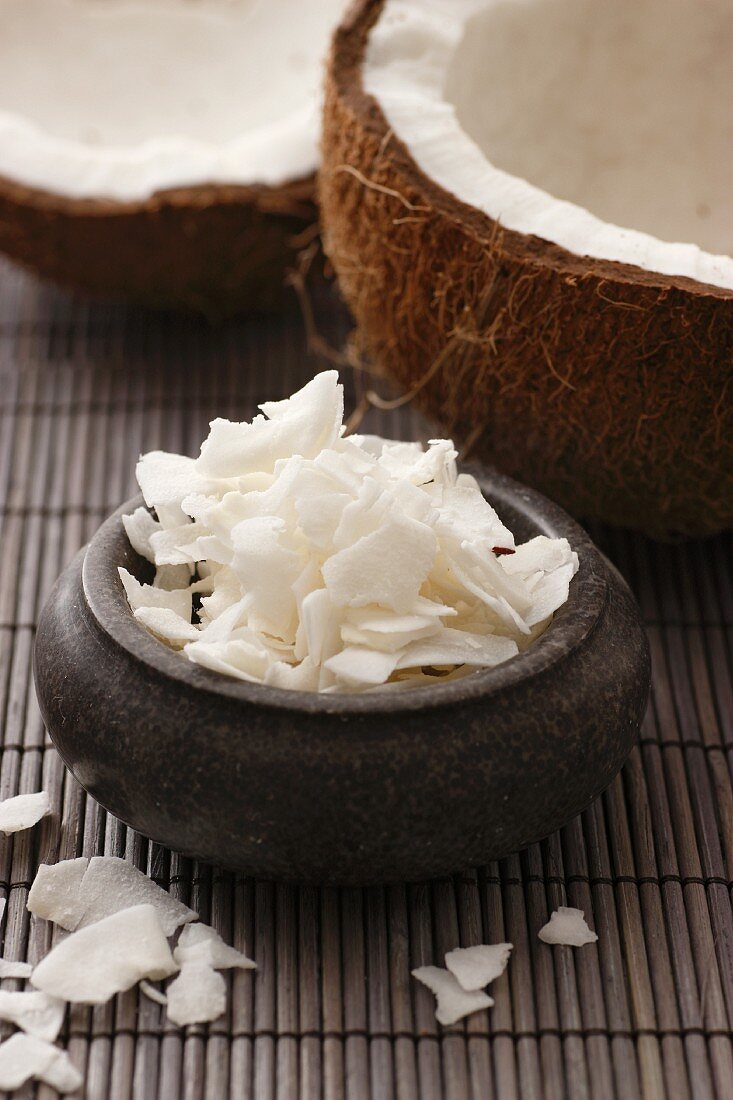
153 994
23 811
78 892
200 943
110 956
10 969
333 564
197 996
567 926
476 967
139 527
34 1012
111 884
54 894
26 1057
453 1001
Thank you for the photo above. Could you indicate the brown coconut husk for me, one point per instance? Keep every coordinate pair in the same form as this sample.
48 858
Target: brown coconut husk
216 249
605 386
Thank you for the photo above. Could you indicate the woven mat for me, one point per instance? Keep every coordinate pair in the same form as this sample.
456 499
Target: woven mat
332 1011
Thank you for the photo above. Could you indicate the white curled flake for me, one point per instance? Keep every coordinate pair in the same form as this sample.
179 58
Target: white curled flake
197 996
107 957
23 811
476 967
54 894
26 1057
12 969
78 892
304 424
139 526
568 927
453 1001
387 568
200 943
152 993
34 1012
291 556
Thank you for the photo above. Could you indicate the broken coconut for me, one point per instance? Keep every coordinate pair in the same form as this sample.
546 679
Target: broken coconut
162 150
328 563
567 926
529 187
107 957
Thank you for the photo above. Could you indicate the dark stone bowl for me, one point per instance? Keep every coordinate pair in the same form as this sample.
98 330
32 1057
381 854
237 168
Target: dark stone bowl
347 789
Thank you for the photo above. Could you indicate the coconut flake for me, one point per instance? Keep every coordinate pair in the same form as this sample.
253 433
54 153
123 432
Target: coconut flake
387 567
457 647
200 943
304 424
567 926
167 626
171 577
361 666
34 1012
107 957
55 893
197 996
26 1057
139 526
23 811
476 967
111 884
152 993
453 1001
77 892
11 969
141 596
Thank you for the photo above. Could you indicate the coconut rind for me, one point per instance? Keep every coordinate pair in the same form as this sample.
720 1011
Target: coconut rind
216 249
605 386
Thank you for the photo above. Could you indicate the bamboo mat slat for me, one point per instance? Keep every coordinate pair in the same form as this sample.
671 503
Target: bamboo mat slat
332 1011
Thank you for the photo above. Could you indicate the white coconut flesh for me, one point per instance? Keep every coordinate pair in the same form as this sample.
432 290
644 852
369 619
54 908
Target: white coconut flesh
123 98
601 127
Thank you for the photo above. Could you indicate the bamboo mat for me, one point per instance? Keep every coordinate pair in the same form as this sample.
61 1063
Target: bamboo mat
332 1011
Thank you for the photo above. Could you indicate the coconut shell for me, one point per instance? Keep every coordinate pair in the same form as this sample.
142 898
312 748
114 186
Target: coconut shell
217 249
605 386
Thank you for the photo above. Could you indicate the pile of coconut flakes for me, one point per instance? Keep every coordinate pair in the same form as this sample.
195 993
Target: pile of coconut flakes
291 555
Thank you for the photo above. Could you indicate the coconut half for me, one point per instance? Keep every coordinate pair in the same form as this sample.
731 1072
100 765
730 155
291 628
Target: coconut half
160 148
528 205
